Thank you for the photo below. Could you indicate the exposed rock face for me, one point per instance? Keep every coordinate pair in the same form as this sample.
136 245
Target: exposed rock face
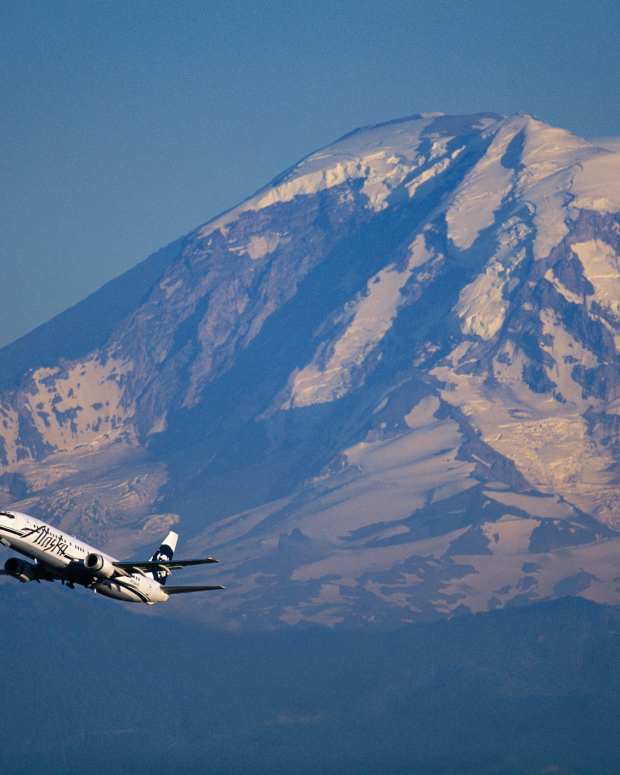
385 386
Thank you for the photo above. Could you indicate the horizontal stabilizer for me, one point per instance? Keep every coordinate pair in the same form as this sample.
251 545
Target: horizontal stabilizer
181 590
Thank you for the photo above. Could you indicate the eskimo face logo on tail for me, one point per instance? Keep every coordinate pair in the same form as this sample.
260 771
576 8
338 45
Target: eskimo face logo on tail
164 553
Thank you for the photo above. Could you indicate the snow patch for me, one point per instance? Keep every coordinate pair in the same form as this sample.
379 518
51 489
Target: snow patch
382 171
597 183
261 245
170 286
348 566
483 190
382 156
563 346
509 535
550 159
80 405
432 171
601 266
371 316
481 305
534 505
549 442
561 288
9 433
423 413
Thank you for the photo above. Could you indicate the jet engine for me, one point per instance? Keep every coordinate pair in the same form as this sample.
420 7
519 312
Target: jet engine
99 566
21 570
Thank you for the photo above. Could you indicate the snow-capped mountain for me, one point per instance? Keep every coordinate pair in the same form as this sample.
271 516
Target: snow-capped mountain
383 387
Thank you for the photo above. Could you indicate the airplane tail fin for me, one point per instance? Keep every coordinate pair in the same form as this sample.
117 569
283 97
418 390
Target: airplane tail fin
166 553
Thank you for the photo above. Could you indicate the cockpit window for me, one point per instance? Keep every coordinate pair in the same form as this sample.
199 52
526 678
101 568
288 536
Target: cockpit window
6 514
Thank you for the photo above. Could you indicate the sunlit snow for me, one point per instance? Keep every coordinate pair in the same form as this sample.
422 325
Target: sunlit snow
483 190
371 316
601 265
597 183
482 305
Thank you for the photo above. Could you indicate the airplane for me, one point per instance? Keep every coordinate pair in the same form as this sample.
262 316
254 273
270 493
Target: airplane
59 556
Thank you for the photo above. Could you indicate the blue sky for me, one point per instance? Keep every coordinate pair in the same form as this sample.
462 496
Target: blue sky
126 124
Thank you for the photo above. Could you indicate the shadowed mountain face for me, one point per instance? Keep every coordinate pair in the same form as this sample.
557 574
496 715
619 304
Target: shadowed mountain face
383 388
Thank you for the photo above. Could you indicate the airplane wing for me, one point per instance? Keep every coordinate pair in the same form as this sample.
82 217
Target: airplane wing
181 590
156 565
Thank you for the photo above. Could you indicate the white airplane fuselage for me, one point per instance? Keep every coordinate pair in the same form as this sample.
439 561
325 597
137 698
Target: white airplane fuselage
63 557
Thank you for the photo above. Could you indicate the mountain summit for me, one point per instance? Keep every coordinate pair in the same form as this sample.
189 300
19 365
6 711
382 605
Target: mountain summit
383 387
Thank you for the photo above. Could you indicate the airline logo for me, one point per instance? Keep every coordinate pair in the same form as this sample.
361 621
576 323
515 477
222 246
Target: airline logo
47 539
164 553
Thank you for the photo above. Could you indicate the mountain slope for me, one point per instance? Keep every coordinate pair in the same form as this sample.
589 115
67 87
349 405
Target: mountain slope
383 387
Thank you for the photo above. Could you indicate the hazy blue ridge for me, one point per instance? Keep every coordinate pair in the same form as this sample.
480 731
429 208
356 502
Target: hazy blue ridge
522 690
